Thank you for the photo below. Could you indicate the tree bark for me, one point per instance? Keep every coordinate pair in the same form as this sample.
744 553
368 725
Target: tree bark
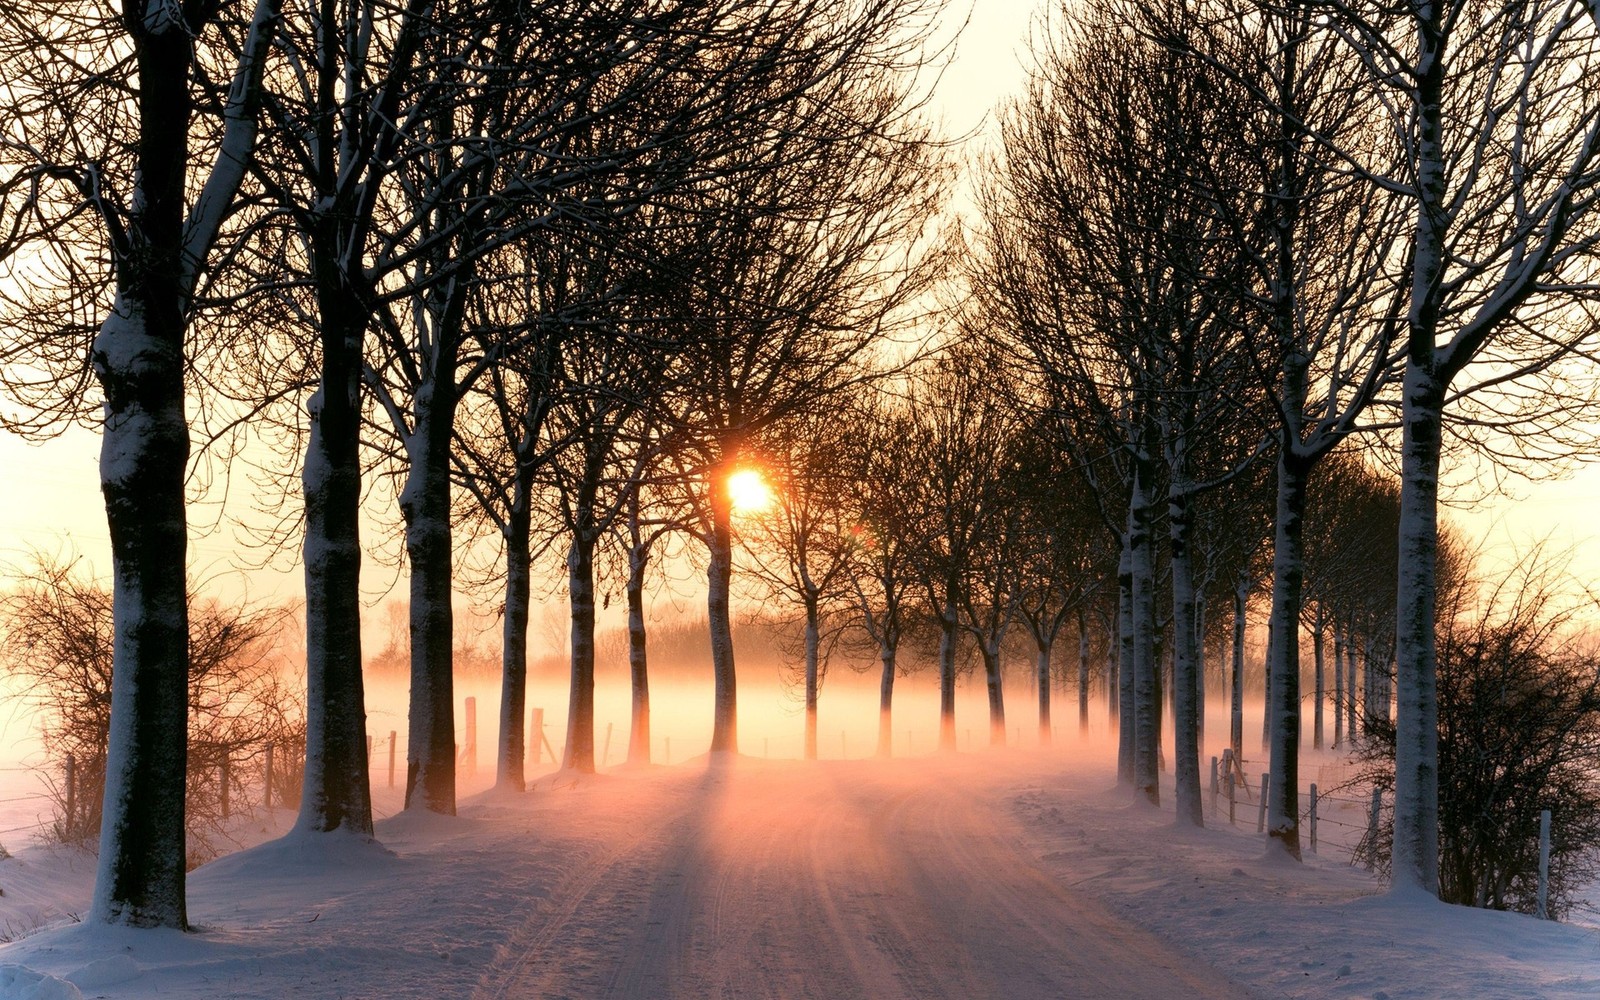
886 656
1185 708
1415 857
997 701
947 674
1146 689
425 505
719 577
1283 670
511 760
1042 673
638 658
1125 658
1083 672
811 667
579 752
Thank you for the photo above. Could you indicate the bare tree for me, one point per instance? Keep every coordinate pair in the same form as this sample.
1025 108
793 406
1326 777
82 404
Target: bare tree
1496 111
100 125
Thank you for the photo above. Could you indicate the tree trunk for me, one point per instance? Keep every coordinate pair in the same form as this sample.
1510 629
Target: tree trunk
1320 682
425 503
144 450
1283 669
886 655
1042 672
1338 686
812 643
997 702
1200 666
1241 604
511 760
1185 707
578 754
336 792
1083 672
638 660
719 577
1125 657
1146 690
947 675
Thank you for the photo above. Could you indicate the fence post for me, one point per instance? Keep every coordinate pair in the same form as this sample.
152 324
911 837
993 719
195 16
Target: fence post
1313 817
1261 815
1213 785
1541 908
1372 823
266 792
226 774
472 736
391 758
1227 780
538 734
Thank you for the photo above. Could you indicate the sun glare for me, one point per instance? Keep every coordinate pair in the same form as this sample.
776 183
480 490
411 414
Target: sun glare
751 494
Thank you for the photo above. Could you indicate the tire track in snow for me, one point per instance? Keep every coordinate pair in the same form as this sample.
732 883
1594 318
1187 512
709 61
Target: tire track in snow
832 881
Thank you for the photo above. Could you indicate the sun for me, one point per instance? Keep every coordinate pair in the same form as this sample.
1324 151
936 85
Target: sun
750 493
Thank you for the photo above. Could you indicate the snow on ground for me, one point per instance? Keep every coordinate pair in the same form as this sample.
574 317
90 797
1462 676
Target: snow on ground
1011 874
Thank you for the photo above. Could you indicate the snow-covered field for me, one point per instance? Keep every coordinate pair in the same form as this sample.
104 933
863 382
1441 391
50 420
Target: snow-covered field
1007 874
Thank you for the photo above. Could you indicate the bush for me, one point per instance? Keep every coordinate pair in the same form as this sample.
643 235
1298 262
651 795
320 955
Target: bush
56 634
1519 732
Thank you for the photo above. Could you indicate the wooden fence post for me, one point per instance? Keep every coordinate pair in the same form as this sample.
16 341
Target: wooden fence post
1228 782
1261 815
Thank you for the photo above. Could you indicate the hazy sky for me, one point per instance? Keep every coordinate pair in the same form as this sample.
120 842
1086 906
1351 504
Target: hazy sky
50 500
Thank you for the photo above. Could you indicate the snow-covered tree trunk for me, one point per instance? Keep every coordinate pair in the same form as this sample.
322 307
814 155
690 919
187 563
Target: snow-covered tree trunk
1185 707
1125 657
886 656
638 658
336 792
511 758
144 451
812 641
719 579
1415 852
1283 667
947 672
425 505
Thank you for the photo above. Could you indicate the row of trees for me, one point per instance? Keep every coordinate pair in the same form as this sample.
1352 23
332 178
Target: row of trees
1225 231
460 244
558 271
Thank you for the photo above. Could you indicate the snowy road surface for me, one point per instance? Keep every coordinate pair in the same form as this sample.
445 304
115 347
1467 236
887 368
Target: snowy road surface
757 881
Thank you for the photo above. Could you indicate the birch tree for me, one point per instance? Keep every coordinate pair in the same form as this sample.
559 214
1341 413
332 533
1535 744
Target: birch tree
1496 112
105 196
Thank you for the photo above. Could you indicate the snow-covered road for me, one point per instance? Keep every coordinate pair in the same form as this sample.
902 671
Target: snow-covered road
783 881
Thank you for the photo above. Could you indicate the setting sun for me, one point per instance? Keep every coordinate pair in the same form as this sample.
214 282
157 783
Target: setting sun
750 493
